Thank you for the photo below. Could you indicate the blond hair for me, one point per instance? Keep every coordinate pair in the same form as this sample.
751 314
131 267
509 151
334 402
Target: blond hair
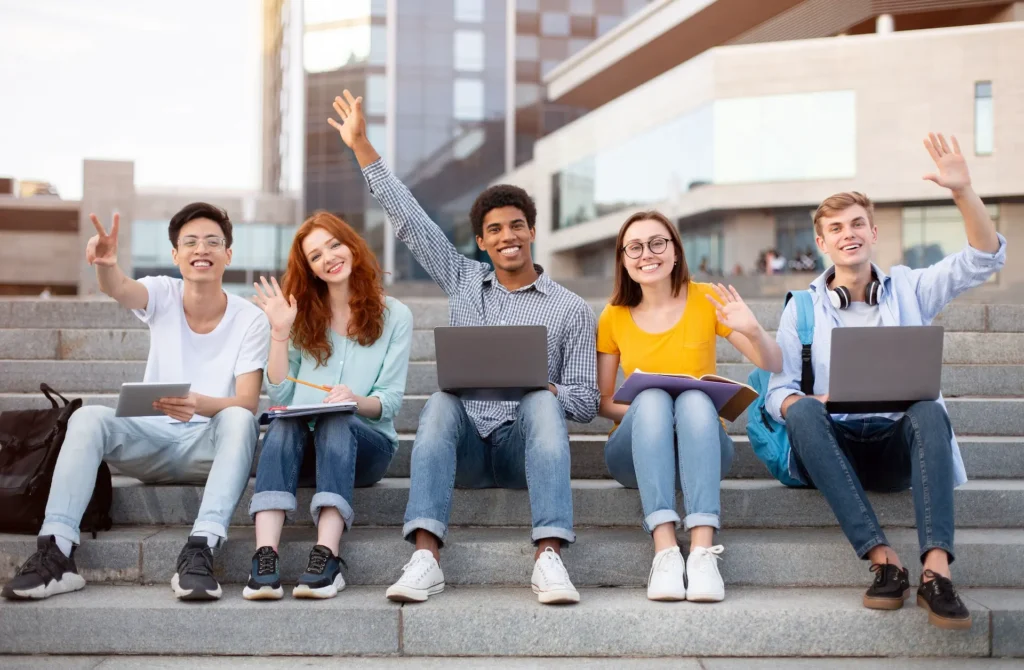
834 204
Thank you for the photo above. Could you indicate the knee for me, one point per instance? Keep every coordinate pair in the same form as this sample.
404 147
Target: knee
284 435
333 433
540 409
804 410
441 410
235 428
927 412
694 407
90 417
652 404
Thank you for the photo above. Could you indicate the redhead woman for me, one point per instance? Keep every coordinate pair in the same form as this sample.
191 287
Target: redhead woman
332 326
659 320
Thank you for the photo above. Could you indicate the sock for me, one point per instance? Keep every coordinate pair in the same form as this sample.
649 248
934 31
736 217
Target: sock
211 538
64 544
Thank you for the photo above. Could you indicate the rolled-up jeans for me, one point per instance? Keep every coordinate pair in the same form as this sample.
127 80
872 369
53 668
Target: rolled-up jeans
218 453
531 452
349 454
842 459
663 444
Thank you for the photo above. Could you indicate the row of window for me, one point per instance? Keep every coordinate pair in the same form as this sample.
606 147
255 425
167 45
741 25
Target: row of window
260 246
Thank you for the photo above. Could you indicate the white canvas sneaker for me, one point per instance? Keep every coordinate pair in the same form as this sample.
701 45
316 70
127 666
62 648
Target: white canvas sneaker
421 578
666 579
551 581
705 583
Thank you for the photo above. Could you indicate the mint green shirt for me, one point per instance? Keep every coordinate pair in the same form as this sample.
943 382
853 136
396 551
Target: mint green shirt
376 371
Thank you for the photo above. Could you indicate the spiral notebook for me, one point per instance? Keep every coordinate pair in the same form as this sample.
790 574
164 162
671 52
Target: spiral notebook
730 397
313 409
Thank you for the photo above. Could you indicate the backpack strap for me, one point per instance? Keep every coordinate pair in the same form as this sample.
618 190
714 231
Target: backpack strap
805 331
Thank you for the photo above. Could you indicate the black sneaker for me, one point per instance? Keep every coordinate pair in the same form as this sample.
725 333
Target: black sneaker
46 573
265 578
945 609
322 578
890 588
194 579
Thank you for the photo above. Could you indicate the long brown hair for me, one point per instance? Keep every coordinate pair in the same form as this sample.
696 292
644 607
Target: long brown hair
310 332
627 292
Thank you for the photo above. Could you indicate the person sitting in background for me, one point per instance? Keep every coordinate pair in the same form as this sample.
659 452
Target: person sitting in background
335 329
659 320
199 334
842 455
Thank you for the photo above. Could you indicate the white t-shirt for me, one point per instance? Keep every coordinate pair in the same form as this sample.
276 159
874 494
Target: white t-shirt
860 314
239 344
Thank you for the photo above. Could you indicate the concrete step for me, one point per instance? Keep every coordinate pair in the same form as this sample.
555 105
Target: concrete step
107 376
132 344
428 313
504 556
746 503
472 621
970 416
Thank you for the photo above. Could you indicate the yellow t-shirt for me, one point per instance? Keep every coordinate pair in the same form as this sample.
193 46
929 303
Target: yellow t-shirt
686 348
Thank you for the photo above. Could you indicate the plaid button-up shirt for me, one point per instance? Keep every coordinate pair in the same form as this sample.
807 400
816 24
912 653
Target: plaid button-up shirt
476 298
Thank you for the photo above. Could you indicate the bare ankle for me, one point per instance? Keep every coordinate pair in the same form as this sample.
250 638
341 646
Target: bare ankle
428 541
554 544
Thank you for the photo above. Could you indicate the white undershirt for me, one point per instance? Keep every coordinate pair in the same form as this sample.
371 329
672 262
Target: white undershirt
860 314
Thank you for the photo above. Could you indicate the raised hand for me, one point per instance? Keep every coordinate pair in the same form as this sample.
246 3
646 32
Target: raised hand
353 124
952 167
102 247
732 311
280 312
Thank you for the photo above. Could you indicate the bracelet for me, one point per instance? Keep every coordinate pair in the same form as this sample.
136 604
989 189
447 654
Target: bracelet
277 340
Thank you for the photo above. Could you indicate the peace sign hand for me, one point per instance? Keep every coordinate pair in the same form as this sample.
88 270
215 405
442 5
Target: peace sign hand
280 312
353 126
732 311
102 247
952 166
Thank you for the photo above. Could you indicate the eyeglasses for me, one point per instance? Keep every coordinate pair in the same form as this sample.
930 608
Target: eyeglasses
211 242
657 245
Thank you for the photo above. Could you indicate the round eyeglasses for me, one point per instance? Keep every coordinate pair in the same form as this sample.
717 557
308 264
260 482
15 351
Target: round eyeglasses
657 245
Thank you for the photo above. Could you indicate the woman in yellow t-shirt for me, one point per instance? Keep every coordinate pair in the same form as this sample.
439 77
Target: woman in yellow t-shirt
659 320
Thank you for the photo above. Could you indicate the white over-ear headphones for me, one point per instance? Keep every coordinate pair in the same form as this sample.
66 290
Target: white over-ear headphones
840 295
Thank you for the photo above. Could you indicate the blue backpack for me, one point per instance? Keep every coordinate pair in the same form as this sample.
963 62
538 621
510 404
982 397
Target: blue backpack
768 437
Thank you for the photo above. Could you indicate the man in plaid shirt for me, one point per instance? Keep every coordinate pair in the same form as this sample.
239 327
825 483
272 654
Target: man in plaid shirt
476 444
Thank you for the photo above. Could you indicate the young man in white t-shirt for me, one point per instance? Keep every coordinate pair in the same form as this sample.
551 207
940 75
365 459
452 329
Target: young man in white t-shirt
198 334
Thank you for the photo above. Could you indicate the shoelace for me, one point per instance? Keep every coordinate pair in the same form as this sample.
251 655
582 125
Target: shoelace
317 561
267 564
942 589
663 564
712 555
420 563
879 570
195 561
550 562
42 563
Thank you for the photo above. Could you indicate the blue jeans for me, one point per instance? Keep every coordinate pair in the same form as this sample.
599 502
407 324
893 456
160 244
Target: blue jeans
531 452
217 453
662 444
349 453
843 458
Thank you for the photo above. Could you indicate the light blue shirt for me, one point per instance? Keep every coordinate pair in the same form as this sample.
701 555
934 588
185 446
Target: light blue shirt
376 371
908 298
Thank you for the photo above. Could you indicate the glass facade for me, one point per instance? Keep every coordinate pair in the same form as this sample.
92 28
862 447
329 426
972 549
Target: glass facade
257 249
702 244
932 233
794 236
983 118
729 141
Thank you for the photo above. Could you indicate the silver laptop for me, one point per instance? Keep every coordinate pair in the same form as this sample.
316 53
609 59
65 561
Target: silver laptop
884 369
491 362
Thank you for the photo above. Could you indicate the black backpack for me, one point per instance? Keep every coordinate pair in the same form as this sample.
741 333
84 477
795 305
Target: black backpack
30 441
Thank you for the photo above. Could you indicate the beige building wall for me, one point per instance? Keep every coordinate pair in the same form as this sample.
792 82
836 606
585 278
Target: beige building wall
745 235
107 187
889 250
39 258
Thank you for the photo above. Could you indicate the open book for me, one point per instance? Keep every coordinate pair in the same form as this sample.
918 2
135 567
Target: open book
731 398
312 409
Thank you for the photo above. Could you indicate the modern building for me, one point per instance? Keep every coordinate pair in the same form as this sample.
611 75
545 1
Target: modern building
453 97
43 238
737 117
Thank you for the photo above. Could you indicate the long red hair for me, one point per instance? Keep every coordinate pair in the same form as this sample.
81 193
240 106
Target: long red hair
310 332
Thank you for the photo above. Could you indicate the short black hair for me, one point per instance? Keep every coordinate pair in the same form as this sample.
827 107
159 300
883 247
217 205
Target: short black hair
501 195
199 210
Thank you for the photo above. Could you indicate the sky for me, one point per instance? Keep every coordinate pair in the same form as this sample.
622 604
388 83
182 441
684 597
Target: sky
174 86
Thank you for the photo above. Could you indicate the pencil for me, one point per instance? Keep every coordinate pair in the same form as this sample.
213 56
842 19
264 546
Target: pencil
316 386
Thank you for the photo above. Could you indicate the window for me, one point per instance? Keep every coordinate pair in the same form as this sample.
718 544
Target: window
469 11
378 135
932 233
703 248
378 45
527 47
606 23
469 50
376 94
332 49
983 126
468 100
555 25
584 7
794 239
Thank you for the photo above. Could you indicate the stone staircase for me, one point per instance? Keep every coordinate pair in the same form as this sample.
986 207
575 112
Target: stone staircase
793 583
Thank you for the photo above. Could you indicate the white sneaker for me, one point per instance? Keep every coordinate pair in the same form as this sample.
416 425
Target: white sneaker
551 581
666 579
421 578
705 581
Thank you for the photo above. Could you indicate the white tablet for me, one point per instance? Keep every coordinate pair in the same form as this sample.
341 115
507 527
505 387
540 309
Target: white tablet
137 398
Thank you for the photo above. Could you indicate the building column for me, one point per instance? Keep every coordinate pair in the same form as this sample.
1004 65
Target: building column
107 187
885 24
